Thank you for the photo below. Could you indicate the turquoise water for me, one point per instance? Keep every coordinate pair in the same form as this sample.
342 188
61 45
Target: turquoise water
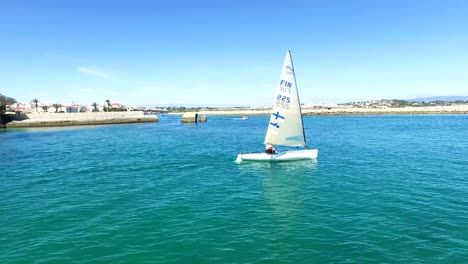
385 189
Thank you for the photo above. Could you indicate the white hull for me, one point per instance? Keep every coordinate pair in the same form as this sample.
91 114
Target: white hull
283 156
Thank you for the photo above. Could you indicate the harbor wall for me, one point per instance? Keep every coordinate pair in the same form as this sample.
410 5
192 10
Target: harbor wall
75 119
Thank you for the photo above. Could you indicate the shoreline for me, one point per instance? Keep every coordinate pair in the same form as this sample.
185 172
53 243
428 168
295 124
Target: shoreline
74 119
459 109
108 118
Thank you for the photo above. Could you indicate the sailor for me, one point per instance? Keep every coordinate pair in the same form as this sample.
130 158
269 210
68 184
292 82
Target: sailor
270 149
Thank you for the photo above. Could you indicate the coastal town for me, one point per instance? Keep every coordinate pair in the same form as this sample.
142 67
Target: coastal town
36 106
35 113
456 105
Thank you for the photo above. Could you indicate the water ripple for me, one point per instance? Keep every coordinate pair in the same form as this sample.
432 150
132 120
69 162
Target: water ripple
384 190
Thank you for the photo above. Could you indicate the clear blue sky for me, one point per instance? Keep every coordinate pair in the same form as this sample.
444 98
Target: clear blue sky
230 52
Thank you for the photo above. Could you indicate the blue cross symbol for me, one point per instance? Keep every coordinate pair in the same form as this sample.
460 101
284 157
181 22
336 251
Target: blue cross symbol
274 124
277 115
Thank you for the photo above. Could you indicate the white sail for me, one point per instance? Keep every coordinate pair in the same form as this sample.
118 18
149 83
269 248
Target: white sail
285 127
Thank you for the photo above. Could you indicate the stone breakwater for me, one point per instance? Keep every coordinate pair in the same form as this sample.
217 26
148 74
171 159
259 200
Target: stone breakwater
75 119
459 109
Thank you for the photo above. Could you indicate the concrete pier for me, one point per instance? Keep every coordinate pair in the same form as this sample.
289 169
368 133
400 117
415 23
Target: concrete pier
75 119
189 118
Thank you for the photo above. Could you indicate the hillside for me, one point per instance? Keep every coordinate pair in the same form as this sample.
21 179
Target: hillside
439 98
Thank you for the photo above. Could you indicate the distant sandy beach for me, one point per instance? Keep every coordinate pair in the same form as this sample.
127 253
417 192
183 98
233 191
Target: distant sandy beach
458 109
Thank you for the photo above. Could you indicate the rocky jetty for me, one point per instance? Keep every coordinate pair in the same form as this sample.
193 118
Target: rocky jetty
341 111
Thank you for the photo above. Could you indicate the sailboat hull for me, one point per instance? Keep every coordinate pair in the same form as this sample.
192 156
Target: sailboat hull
283 156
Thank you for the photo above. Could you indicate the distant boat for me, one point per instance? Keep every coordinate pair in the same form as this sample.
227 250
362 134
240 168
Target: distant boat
285 127
244 117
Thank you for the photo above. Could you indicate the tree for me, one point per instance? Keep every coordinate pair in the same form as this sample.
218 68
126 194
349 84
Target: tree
108 104
45 108
95 105
5 101
35 101
57 106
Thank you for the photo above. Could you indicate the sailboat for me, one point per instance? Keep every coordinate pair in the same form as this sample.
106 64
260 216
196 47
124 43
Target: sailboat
285 127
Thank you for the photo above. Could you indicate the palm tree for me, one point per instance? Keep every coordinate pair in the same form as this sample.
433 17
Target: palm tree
57 106
108 104
95 105
35 101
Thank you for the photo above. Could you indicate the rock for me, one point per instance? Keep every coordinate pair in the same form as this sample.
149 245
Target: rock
203 119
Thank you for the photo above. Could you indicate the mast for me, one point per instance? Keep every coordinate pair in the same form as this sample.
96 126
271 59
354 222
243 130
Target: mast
298 99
